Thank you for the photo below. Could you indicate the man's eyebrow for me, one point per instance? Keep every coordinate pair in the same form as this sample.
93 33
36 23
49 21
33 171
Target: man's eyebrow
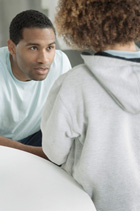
37 44
31 43
53 43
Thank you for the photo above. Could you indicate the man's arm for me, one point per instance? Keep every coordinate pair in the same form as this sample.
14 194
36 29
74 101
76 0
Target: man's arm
27 148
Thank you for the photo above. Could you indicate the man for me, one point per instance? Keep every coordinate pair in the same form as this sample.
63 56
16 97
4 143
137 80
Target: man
27 72
91 121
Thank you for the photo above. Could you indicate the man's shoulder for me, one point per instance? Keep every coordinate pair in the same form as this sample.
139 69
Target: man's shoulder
61 63
60 55
59 52
3 53
4 50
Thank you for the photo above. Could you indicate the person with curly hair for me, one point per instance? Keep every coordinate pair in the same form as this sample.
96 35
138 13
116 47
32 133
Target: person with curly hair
29 65
90 122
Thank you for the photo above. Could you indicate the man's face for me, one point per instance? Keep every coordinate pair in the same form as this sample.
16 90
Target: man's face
33 55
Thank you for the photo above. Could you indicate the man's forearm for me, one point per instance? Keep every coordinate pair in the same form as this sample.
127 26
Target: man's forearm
27 148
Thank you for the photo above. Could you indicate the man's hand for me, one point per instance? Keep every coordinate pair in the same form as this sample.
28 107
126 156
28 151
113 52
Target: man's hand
27 148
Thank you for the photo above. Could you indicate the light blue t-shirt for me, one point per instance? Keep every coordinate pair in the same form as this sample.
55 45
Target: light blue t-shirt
21 102
124 54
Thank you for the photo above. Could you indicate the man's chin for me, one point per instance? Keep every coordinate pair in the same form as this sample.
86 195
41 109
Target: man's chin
39 78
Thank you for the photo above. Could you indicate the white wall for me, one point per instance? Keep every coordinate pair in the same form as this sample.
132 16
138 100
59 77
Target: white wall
8 10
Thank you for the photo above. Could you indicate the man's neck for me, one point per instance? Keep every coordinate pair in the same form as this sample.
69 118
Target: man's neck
16 72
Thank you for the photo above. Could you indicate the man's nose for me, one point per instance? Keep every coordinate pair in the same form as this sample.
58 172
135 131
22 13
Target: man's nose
43 57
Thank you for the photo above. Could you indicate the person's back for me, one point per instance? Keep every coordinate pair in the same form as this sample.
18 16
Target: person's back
95 107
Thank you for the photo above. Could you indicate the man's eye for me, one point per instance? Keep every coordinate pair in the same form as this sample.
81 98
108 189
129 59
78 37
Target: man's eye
33 48
50 47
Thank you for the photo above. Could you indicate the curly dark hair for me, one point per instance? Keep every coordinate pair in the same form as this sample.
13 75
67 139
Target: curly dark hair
95 24
28 19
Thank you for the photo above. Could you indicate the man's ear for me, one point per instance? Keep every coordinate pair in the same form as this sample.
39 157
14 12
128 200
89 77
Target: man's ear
11 47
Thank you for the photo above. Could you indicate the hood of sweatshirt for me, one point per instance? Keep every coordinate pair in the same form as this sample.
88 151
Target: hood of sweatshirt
120 79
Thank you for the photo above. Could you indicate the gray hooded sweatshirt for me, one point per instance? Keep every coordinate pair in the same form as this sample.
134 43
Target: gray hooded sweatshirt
91 126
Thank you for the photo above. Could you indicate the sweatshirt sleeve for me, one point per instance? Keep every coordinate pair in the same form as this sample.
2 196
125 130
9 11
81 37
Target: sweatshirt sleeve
57 134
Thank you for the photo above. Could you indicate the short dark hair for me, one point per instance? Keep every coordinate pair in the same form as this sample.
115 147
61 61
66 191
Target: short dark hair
28 19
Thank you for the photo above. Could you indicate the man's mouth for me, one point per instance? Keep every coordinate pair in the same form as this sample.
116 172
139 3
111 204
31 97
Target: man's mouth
42 70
